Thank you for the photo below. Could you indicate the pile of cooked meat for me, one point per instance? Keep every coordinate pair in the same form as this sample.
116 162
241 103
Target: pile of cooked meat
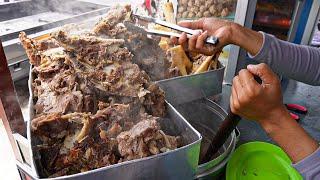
95 103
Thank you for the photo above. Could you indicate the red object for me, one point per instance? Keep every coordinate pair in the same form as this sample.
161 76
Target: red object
295 117
297 108
148 6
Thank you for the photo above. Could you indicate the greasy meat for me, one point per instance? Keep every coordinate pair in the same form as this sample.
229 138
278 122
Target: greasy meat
94 98
112 19
149 56
92 50
144 139
146 52
34 48
52 62
59 94
108 65
78 142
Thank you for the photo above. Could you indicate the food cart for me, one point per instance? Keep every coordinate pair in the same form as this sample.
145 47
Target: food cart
213 103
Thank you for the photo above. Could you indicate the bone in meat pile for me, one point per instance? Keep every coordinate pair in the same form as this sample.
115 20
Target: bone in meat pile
93 104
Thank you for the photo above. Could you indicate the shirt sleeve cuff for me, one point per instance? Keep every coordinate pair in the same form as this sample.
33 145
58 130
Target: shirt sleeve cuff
267 38
308 162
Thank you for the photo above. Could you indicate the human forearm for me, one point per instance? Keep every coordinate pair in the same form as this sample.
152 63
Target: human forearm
248 39
294 61
291 60
288 134
263 103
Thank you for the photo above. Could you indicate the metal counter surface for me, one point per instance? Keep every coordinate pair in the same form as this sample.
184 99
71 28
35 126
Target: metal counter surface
293 92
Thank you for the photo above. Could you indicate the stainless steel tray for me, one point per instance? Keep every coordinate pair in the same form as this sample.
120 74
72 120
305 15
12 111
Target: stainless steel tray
180 163
184 89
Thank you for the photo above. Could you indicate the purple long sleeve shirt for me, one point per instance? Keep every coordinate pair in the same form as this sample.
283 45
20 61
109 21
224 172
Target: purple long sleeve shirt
294 61
301 63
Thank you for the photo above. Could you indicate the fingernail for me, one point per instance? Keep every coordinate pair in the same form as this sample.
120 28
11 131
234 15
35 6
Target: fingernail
198 32
205 34
250 66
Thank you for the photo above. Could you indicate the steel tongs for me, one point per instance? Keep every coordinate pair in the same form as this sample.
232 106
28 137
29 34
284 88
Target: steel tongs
210 40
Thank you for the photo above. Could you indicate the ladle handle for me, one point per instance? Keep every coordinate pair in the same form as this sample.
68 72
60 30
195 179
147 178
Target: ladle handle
225 129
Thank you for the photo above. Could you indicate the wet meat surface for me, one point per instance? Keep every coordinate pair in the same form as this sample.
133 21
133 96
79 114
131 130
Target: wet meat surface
95 102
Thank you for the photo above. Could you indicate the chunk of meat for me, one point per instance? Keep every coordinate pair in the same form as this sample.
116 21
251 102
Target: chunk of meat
58 95
46 55
155 101
85 141
114 16
34 48
144 139
92 50
132 144
52 62
49 125
66 103
146 51
115 75
75 136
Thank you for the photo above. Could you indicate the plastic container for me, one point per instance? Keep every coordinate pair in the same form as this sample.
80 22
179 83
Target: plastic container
260 161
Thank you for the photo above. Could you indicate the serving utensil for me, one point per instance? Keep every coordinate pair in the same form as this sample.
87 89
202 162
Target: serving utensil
228 125
144 20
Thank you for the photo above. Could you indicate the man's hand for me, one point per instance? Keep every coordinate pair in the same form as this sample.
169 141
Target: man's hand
263 103
221 29
227 32
254 101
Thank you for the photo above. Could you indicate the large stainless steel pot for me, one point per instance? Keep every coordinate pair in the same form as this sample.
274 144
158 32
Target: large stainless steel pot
206 116
177 164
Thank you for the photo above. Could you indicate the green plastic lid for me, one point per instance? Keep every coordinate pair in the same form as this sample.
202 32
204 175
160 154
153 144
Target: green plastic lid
260 161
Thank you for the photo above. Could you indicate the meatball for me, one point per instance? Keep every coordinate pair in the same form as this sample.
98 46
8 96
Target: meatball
202 9
199 15
191 15
185 14
181 9
207 14
184 2
225 12
212 9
